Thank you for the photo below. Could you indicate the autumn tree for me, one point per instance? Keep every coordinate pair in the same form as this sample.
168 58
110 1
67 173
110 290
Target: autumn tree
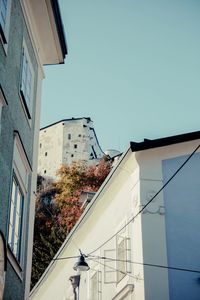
58 208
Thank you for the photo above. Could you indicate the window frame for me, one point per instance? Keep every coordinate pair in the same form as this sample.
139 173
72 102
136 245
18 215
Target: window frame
25 81
4 31
121 261
13 214
94 293
21 169
97 293
123 236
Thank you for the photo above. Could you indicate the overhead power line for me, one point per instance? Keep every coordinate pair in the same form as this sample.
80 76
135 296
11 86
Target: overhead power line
94 258
132 219
143 208
114 269
149 265
67 257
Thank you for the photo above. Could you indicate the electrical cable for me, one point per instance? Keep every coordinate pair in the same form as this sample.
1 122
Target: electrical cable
133 218
114 269
92 257
67 257
143 208
149 265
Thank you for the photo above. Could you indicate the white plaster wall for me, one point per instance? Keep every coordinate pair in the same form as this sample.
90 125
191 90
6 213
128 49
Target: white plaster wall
115 204
153 219
135 180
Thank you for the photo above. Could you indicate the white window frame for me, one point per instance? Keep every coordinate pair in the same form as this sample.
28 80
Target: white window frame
121 257
21 171
15 219
26 82
4 28
95 272
124 267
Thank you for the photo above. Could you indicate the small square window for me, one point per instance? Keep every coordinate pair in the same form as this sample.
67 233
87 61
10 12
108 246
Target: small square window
79 135
72 155
75 146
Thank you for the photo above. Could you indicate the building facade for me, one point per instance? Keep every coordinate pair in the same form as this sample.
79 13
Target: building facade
66 141
140 233
31 35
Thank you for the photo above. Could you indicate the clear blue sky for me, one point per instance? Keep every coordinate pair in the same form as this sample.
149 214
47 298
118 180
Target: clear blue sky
133 67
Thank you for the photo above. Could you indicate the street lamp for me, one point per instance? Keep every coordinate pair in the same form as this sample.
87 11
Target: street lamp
81 264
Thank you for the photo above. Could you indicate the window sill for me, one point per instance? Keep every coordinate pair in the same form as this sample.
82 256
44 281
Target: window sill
14 263
125 291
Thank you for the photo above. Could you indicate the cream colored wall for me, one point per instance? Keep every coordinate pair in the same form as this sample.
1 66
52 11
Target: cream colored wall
112 209
51 140
134 181
153 218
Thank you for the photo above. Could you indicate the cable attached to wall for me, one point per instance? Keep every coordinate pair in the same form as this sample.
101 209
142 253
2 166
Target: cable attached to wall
143 208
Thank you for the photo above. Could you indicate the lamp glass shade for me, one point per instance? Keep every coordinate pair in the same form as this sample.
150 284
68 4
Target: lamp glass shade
81 264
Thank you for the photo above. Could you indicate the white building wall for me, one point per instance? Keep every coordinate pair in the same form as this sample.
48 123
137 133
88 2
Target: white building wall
50 150
132 183
93 231
65 142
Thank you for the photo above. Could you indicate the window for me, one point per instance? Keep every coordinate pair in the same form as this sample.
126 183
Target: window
123 251
45 171
15 220
95 285
69 136
18 204
40 145
121 258
75 146
5 6
45 153
72 155
26 87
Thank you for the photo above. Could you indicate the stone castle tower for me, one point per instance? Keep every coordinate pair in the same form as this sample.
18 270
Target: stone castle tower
66 141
